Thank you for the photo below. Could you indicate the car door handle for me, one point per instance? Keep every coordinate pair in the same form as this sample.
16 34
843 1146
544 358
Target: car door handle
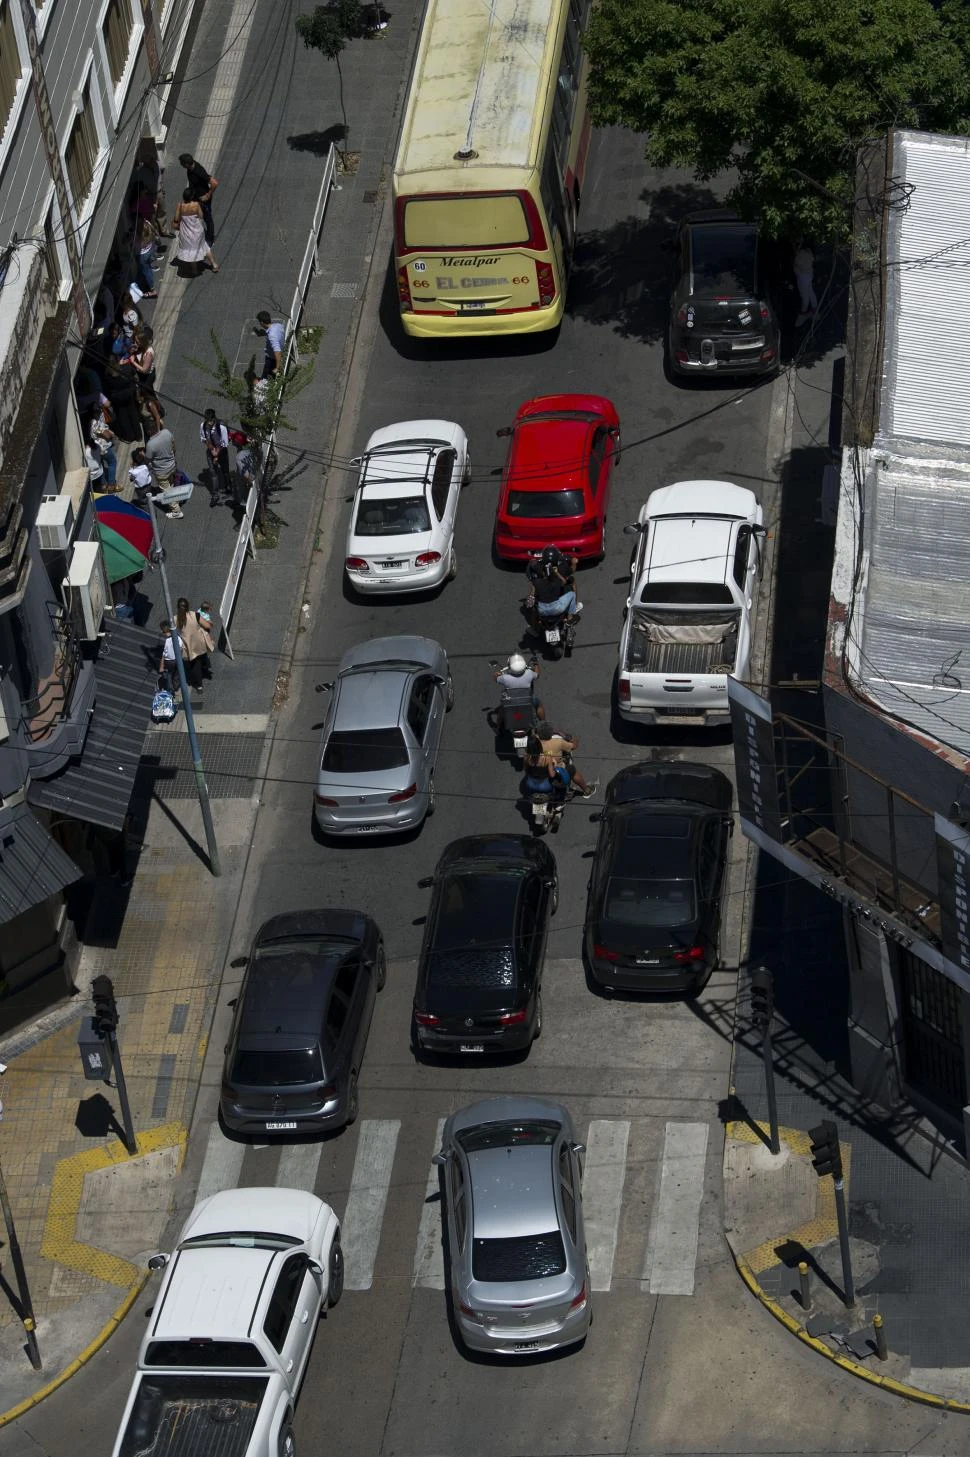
289 1366
304 1317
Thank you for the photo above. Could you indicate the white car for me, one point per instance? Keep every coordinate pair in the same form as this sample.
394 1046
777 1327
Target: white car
402 527
229 1335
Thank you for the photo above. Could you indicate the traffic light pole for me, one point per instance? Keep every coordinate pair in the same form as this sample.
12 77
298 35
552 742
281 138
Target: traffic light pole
847 1281
105 1021
131 1143
26 1311
767 1057
762 1015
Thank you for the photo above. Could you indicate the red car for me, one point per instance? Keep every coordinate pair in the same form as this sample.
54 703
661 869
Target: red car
557 477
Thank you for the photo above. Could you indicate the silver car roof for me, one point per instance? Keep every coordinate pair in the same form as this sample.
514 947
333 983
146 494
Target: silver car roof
371 700
512 1191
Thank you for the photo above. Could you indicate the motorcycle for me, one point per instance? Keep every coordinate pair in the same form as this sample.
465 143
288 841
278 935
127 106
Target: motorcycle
547 806
558 632
515 715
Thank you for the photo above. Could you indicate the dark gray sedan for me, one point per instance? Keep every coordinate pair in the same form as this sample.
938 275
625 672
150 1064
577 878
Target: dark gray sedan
513 1200
381 737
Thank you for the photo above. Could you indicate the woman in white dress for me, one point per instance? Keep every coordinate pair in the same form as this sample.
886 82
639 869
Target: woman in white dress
192 247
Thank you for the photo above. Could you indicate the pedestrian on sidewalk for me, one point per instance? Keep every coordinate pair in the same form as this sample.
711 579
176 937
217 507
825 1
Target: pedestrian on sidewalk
102 436
215 438
803 268
201 186
142 360
193 249
245 472
167 669
145 258
121 387
130 314
197 643
206 617
275 342
95 466
160 455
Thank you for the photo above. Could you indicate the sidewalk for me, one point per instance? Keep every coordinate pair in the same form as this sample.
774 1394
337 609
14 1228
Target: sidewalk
86 1214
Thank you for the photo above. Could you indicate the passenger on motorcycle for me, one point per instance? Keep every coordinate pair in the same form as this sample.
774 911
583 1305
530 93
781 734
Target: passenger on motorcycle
553 585
549 758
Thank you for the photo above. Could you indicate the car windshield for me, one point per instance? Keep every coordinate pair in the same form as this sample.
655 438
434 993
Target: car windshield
546 503
401 516
201 1352
322 946
365 751
525 1257
284 1066
686 594
242 1239
505 1135
653 903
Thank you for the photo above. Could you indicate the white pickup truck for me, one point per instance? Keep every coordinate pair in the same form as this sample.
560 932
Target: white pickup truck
230 1334
688 620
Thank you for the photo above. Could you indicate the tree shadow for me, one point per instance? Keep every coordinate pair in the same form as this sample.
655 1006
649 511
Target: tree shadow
622 275
319 143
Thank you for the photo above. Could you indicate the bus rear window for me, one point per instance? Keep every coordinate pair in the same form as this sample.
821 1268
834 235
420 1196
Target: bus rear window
494 220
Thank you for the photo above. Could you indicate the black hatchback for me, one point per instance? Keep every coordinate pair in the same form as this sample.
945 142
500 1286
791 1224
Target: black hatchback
301 1023
654 911
721 320
479 987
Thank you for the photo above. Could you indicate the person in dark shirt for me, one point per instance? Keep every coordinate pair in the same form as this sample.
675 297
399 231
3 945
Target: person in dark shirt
202 186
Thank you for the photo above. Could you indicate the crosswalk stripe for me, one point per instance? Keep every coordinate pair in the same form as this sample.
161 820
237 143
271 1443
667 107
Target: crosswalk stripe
222 1164
298 1166
672 1248
369 1184
604 1174
429 1259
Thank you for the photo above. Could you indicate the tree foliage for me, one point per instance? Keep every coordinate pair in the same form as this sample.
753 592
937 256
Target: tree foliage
781 91
327 29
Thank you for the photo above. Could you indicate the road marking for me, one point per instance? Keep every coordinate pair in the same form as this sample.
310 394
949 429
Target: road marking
298 1166
369 1184
429 1256
222 1164
672 1249
603 1176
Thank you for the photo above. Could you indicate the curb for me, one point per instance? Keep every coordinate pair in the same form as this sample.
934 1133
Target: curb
90 1350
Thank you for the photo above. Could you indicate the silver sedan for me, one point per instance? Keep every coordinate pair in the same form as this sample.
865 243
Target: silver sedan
512 1181
381 737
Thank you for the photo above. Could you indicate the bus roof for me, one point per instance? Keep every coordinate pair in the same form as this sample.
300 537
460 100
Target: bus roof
480 81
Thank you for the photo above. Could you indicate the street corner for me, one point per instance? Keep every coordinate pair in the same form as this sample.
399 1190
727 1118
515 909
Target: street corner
781 1223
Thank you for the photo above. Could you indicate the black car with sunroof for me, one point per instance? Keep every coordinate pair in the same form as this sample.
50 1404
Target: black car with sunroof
479 984
301 1021
654 910
721 318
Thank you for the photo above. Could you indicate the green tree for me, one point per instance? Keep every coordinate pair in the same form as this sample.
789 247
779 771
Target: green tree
328 29
781 91
256 404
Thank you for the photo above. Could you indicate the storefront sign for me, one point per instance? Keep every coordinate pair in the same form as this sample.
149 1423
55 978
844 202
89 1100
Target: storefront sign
754 761
953 874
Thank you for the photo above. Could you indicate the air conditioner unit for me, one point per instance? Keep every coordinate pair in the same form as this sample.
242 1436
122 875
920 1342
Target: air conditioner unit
87 589
55 523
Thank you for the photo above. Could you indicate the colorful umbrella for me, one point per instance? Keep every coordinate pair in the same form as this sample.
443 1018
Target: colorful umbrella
126 535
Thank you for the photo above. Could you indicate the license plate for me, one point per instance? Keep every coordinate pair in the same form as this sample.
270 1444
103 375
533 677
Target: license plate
552 634
473 307
472 1047
279 1127
391 566
366 829
527 1345
520 741
648 961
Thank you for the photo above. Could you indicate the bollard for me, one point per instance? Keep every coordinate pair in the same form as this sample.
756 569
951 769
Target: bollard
882 1350
804 1285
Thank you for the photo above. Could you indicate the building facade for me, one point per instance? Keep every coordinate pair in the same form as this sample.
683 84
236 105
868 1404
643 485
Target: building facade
82 94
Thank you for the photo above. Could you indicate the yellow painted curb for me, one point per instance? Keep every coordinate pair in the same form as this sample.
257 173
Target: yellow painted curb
888 1383
817 1231
81 1360
60 1242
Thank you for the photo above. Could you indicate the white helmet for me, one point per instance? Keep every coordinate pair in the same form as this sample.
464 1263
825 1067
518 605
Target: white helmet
517 664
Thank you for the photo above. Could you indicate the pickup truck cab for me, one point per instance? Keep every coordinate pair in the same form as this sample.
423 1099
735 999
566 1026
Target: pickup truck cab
688 621
230 1334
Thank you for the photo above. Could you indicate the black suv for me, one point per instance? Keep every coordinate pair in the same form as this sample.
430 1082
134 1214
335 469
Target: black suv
301 1023
479 987
721 321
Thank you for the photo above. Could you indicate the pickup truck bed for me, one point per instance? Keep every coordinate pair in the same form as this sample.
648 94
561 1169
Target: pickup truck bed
193 1416
680 644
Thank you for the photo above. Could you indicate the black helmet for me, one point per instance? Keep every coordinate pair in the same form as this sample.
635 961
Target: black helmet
550 556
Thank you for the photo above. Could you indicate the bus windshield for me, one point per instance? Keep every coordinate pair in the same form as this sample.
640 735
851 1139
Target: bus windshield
488 220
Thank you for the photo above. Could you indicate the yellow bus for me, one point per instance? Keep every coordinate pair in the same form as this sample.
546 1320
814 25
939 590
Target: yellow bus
490 165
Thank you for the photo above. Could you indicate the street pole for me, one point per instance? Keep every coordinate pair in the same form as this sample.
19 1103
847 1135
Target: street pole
158 558
131 1143
762 1015
26 1311
847 1281
767 1057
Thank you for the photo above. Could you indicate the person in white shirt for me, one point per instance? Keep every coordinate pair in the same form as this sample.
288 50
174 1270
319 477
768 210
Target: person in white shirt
95 466
167 667
275 335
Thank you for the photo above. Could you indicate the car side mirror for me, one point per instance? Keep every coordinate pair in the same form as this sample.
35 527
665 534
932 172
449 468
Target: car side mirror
578 1147
158 1262
729 824
323 687
425 882
314 1268
236 963
505 430
632 530
440 1159
760 530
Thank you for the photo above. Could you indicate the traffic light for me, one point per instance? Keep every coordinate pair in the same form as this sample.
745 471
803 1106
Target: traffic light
762 996
826 1154
105 1007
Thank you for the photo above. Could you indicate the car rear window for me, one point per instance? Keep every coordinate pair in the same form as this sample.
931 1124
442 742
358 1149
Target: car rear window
649 903
403 516
724 260
546 503
365 751
490 221
477 966
526 1257
288 1067
212 1354
685 594
535 1131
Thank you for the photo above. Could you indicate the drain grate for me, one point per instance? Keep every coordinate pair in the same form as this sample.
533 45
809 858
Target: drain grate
370 196
344 290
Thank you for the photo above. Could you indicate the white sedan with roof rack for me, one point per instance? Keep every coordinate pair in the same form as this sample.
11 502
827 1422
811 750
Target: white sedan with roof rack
402 528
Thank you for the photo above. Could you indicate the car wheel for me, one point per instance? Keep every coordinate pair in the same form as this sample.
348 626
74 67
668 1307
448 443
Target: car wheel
353 1100
381 967
538 1032
453 567
335 1274
554 902
449 694
432 800
603 541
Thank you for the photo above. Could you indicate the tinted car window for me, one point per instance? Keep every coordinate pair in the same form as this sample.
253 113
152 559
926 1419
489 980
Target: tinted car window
458 1199
283 1067
741 551
649 902
365 751
686 594
240 1355
546 503
724 259
444 468
401 517
597 455
336 1016
567 1190
282 1304
419 707
525 1257
502 1135
475 910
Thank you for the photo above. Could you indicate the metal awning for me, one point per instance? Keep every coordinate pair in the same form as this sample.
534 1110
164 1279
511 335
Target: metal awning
97 786
32 864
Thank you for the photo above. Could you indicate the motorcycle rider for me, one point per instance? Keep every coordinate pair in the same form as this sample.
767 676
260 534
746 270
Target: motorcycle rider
553 586
516 678
549 758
